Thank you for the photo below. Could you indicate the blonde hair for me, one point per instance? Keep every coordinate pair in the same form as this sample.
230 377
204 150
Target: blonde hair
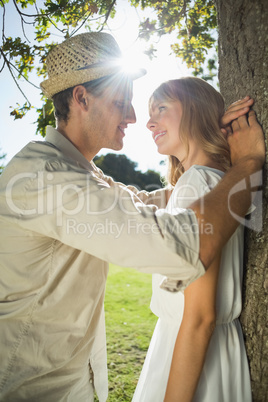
202 110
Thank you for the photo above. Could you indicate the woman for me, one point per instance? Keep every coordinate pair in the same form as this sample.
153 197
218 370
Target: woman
197 350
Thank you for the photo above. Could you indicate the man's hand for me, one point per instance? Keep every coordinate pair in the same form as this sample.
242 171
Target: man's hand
246 140
234 111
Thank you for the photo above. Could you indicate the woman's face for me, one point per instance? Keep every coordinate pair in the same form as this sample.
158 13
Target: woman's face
164 123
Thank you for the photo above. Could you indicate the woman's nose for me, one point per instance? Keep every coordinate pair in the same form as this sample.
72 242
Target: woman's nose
150 124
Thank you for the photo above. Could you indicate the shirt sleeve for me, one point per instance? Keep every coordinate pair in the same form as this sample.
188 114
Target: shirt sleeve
156 197
108 222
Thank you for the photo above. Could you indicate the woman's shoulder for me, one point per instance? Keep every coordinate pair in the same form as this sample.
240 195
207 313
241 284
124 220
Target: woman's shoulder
198 174
193 184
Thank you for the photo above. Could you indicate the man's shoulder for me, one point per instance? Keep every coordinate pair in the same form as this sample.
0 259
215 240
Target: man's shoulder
36 150
37 157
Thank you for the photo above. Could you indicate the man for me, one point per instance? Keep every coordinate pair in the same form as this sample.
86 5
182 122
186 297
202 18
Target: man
63 220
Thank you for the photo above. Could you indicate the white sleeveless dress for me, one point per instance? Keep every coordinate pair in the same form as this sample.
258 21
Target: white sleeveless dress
225 375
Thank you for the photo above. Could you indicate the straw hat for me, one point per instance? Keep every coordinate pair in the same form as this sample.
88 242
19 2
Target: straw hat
80 59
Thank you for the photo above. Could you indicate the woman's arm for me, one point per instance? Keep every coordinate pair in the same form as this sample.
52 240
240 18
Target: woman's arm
194 335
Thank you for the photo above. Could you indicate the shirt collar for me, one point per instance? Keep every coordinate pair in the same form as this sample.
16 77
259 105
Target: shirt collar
55 138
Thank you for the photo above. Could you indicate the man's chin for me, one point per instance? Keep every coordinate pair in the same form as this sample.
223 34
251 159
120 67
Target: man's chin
118 146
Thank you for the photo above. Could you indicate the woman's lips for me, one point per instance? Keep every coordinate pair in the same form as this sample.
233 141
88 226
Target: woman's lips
158 134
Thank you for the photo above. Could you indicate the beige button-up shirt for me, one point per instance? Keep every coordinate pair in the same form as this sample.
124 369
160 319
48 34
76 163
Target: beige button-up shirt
62 222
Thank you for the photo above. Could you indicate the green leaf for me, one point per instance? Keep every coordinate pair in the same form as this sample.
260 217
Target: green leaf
45 117
20 111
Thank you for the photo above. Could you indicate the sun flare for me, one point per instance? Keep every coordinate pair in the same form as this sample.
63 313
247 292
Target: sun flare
134 59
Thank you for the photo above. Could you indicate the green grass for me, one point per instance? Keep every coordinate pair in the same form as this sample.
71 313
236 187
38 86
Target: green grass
129 327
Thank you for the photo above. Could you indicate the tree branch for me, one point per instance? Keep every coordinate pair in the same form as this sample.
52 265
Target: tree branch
14 78
4 13
82 23
23 14
108 14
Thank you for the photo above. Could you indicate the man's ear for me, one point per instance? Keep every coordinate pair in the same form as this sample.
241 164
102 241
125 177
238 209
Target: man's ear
81 97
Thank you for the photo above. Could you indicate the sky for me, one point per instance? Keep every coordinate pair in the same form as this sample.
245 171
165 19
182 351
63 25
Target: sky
138 143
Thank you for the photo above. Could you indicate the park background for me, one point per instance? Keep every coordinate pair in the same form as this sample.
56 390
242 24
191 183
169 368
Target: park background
242 33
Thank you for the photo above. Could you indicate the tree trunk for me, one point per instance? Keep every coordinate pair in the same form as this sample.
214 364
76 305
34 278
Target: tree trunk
243 70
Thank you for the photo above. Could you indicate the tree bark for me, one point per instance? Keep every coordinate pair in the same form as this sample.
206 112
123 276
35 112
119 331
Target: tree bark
243 70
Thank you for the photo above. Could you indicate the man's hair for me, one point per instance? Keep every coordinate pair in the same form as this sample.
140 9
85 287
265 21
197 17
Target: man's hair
62 100
202 110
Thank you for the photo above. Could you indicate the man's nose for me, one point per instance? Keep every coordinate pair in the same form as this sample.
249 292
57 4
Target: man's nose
130 116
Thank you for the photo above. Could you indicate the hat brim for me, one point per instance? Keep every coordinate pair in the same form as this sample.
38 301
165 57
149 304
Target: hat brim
134 75
54 85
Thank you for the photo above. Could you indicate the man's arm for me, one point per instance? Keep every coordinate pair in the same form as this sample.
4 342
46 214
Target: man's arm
218 208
